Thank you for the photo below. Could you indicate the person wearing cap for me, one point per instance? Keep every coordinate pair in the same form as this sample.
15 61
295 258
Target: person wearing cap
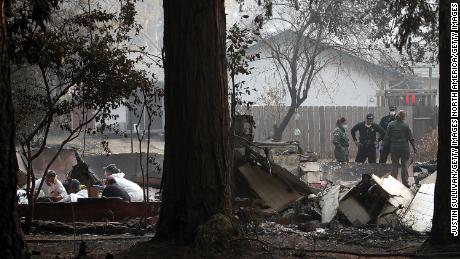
398 137
367 139
384 150
52 188
340 140
132 188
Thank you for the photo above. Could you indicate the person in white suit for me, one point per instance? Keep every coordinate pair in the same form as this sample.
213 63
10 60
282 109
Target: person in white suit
133 189
52 188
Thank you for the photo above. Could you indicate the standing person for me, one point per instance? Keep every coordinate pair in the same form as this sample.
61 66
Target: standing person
397 138
385 150
367 139
340 140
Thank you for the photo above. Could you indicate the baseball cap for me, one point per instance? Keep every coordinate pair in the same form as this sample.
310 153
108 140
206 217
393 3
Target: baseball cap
370 116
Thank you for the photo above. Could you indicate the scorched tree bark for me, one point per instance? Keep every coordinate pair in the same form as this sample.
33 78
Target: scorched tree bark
196 166
11 241
440 231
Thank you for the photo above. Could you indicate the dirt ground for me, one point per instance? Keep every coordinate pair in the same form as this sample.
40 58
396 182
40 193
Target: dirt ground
274 241
67 246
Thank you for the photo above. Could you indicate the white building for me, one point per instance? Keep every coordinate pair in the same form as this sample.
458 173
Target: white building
346 81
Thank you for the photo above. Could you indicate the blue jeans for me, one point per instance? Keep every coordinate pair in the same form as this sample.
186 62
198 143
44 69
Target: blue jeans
395 158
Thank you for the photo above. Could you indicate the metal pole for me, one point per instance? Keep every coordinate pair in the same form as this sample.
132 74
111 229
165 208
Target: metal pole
430 69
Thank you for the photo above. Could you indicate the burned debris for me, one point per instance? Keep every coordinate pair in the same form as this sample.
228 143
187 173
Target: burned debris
291 190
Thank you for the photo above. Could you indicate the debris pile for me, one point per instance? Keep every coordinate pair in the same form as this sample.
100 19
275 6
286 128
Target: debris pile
332 193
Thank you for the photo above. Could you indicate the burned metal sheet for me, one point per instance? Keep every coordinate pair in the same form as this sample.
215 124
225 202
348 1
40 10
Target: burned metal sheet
329 204
129 164
62 165
274 192
420 212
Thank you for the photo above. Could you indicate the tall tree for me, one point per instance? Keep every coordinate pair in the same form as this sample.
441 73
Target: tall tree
11 241
440 230
195 182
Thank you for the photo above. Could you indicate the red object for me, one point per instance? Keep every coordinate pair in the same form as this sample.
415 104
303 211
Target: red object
414 101
407 100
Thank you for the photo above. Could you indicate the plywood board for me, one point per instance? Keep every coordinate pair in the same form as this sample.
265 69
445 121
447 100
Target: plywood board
354 212
400 195
274 192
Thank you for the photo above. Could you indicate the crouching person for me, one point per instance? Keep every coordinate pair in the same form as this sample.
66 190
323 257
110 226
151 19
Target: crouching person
112 189
75 192
133 189
52 188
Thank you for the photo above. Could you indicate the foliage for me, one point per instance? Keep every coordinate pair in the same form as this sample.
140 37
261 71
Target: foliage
408 25
273 99
427 146
238 41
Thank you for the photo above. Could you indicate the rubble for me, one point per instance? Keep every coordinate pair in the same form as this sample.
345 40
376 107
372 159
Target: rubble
275 193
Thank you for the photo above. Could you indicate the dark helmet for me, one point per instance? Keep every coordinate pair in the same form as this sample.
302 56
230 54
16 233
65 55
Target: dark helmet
370 116
393 108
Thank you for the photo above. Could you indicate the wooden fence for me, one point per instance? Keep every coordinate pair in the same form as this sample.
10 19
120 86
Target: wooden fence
316 123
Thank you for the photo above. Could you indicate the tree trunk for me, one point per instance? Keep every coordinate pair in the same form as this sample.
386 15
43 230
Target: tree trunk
278 134
440 232
11 241
196 166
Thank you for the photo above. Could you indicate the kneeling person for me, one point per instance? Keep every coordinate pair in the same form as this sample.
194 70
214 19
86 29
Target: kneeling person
52 188
114 190
75 192
133 189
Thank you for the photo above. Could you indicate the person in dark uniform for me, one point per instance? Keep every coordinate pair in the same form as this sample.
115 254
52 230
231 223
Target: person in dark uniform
367 139
340 140
384 150
114 190
398 137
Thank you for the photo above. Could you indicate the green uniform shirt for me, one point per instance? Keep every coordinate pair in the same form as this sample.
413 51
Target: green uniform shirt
340 137
398 136
386 120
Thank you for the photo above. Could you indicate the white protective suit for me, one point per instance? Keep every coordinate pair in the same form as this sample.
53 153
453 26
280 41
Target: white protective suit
73 197
54 190
133 189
